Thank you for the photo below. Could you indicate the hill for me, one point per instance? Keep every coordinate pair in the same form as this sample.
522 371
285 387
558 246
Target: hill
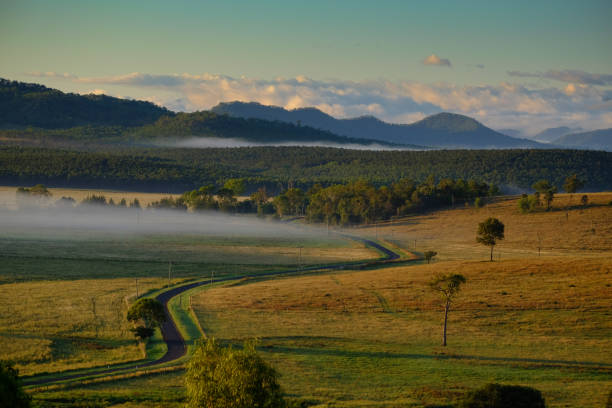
23 105
595 140
440 130
49 114
551 134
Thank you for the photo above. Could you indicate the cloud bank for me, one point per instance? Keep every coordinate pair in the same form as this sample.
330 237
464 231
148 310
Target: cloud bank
583 101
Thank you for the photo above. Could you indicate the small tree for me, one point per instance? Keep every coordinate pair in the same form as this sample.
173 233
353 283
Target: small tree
489 232
448 286
429 255
11 393
584 200
224 377
148 311
504 396
544 188
572 184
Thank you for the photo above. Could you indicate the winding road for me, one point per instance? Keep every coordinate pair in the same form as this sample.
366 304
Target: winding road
171 335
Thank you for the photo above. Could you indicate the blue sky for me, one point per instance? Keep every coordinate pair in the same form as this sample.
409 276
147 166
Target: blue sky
524 64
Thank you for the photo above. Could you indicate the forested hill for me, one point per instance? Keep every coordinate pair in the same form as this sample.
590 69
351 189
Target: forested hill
177 170
24 105
440 130
35 112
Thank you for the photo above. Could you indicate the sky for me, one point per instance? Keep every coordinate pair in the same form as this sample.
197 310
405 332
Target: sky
525 65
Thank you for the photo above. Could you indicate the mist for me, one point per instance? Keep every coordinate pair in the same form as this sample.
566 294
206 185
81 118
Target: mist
49 219
211 142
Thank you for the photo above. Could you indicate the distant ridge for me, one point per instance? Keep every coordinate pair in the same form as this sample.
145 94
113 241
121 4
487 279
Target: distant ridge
35 112
594 140
551 134
447 130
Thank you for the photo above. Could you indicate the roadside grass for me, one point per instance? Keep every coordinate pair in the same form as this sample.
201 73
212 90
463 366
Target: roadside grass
154 391
49 326
587 231
373 338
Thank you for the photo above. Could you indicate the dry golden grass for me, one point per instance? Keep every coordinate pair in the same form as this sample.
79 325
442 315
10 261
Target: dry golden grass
49 326
513 318
452 232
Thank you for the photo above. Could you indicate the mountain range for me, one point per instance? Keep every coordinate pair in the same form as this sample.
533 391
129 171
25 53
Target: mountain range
442 130
35 112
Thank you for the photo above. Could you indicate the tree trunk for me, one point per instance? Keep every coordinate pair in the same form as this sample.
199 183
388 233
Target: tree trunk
492 252
445 320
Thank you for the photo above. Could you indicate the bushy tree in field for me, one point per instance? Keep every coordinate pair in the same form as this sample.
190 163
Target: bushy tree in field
489 232
504 396
150 313
429 255
448 287
225 377
528 203
546 190
237 185
11 393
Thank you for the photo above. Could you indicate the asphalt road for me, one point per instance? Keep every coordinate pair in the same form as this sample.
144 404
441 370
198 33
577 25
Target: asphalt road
171 335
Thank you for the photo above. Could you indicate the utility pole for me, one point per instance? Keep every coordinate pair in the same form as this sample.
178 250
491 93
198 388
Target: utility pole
136 288
300 258
376 229
212 277
169 271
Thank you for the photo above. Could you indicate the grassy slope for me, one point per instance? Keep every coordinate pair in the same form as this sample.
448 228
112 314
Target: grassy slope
49 279
372 338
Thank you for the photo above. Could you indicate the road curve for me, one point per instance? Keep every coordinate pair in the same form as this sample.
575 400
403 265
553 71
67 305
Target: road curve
171 335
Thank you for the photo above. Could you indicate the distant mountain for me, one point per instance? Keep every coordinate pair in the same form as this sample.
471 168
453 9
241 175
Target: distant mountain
212 125
34 112
511 132
23 105
551 134
446 130
594 140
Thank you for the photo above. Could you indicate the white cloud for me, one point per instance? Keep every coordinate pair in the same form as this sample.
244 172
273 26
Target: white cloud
503 105
433 59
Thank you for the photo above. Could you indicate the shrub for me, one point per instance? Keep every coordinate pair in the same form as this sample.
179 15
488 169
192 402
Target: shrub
224 377
11 393
504 396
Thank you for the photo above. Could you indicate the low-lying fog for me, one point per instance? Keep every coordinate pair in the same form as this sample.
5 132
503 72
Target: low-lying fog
50 218
207 142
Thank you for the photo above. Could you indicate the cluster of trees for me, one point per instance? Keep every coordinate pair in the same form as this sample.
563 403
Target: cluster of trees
279 168
361 202
545 193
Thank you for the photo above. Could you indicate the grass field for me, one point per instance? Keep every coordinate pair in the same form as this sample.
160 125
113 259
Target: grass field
373 338
65 288
577 232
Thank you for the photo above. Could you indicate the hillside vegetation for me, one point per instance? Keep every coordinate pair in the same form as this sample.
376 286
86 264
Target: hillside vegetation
177 170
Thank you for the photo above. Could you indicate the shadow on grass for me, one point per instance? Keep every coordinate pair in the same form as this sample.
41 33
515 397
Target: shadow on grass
373 354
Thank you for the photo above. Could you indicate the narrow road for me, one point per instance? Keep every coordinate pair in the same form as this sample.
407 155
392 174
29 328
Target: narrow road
173 338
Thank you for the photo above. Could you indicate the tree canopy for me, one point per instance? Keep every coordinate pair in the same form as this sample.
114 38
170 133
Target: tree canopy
149 311
227 377
11 393
489 232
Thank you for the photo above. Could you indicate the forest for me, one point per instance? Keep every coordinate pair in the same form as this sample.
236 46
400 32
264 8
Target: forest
279 168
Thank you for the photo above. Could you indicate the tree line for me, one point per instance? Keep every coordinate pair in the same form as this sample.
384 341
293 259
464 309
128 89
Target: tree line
280 168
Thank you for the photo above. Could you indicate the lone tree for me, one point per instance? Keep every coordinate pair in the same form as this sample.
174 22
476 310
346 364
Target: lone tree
489 232
150 313
11 393
544 188
224 377
429 255
448 286
504 396
572 184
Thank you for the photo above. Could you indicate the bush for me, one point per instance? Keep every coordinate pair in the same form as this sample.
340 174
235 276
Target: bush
11 393
224 377
504 396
